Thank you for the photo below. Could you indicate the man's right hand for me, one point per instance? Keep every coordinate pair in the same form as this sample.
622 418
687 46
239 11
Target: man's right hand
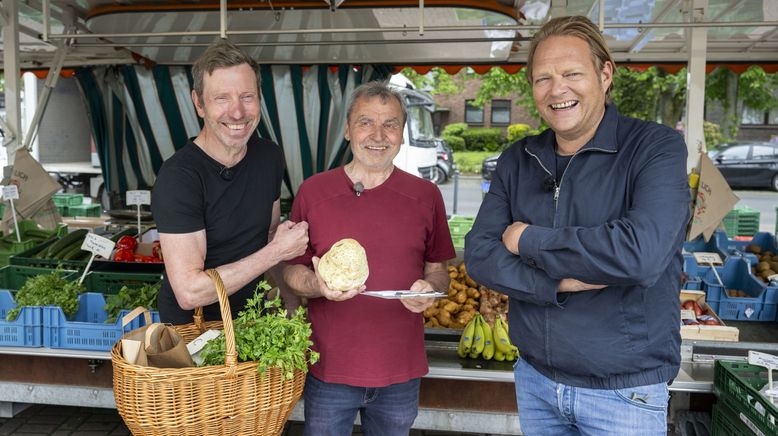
330 294
290 239
573 285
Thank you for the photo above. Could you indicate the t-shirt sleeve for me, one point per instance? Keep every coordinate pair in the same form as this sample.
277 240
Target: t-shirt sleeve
177 201
299 213
280 168
440 248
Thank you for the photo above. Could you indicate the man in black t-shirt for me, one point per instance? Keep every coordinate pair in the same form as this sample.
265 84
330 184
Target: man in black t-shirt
216 200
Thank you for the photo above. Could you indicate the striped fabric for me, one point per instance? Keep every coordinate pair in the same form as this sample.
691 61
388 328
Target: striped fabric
140 117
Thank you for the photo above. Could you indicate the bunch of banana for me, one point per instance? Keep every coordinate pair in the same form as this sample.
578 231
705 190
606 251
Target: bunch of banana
478 338
504 349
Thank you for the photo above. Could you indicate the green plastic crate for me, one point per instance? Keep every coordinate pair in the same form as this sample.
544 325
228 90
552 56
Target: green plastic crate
7 250
737 385
13 276
112 282
62 199
726 423
741 221
93 210
27 258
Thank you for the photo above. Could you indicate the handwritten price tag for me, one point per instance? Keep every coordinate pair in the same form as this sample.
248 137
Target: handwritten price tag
98 245
138 197
10 192
763 359
708 258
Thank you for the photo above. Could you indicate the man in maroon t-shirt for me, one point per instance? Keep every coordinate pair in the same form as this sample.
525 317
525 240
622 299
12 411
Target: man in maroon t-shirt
372 349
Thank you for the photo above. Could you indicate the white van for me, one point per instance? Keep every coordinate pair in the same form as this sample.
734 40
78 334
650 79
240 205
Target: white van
417 154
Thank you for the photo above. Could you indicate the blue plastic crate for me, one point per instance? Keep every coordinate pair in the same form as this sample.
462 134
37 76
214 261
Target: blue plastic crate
765 241
25 330
716 244
760 305
87 330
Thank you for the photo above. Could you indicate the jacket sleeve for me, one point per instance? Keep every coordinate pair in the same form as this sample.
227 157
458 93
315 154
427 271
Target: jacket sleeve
491 264
633 250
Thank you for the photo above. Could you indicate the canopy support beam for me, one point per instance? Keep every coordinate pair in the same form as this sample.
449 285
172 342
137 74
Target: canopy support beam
695 94
13 108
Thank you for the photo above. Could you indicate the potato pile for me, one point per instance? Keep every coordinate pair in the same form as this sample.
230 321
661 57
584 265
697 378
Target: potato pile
768 263
465 299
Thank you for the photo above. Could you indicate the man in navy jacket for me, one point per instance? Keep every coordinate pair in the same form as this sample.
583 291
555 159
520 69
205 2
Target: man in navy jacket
583 227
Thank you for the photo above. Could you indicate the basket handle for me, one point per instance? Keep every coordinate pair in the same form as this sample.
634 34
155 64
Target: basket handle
231 355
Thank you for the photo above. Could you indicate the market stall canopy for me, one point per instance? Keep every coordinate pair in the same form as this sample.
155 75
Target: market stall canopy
408 32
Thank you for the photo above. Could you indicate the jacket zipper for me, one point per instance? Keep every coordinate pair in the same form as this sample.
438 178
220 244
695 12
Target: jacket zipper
558 186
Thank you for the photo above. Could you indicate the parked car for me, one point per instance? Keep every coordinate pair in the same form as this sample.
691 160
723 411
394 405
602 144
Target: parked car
445 166
749 165
488 166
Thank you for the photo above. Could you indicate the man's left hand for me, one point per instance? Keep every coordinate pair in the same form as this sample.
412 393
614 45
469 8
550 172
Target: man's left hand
511 236
418 305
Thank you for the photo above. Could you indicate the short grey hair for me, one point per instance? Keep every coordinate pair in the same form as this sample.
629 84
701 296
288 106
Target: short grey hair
376 89
221 54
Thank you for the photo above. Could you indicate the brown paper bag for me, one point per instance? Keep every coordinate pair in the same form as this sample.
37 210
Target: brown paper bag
133 348
165 348
714 200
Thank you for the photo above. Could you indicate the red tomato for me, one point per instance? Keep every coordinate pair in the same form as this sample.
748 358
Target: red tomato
127 242
124 255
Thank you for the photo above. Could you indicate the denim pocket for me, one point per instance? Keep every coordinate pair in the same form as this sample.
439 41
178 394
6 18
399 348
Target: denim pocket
650 397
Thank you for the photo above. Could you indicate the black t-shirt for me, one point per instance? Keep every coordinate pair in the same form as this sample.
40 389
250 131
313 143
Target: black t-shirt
190 194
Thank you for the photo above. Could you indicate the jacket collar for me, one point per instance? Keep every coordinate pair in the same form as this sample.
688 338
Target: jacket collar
604 138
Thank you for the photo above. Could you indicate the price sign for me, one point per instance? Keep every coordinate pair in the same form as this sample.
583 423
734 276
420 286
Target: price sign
98 245
763 359
708 258
138 197
768 361
688 314
10 192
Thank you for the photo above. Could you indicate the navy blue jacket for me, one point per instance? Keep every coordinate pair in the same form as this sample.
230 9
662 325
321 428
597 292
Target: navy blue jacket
618 218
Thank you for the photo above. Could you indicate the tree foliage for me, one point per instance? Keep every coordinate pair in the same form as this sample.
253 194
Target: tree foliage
436 81
650 94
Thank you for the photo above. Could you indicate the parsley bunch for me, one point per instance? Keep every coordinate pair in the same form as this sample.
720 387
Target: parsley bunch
264 333
130 298
48 290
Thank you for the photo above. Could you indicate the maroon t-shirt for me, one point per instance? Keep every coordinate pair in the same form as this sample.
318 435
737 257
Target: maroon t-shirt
369 341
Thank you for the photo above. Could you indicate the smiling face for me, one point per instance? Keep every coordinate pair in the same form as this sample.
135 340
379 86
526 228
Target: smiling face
568 90
229 107
375 129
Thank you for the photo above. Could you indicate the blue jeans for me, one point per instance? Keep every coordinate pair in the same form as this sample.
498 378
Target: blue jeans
550 408
330 408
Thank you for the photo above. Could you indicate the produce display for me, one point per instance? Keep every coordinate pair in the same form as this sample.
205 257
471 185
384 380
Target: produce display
48 290
68 247
265 334
130 298
465 299
344 266
127 246
767 266
697 315
480 339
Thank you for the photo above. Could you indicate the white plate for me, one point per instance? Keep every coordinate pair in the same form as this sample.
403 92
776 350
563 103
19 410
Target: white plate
396 294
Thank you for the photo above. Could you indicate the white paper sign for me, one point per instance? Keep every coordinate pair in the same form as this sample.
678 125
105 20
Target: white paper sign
763 359
138 197
688 314
10 192
708 258
98 245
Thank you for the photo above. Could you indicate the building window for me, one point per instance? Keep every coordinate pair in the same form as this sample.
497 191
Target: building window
473 114
501 112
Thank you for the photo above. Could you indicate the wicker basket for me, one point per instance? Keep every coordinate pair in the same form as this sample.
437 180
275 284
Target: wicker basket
229 399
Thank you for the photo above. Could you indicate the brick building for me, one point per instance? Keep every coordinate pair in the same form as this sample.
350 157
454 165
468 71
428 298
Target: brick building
499 112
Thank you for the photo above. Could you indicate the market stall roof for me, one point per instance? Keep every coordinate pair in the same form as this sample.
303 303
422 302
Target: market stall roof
407 32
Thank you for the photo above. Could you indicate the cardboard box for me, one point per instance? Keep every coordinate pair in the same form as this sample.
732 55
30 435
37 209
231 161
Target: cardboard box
706 332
